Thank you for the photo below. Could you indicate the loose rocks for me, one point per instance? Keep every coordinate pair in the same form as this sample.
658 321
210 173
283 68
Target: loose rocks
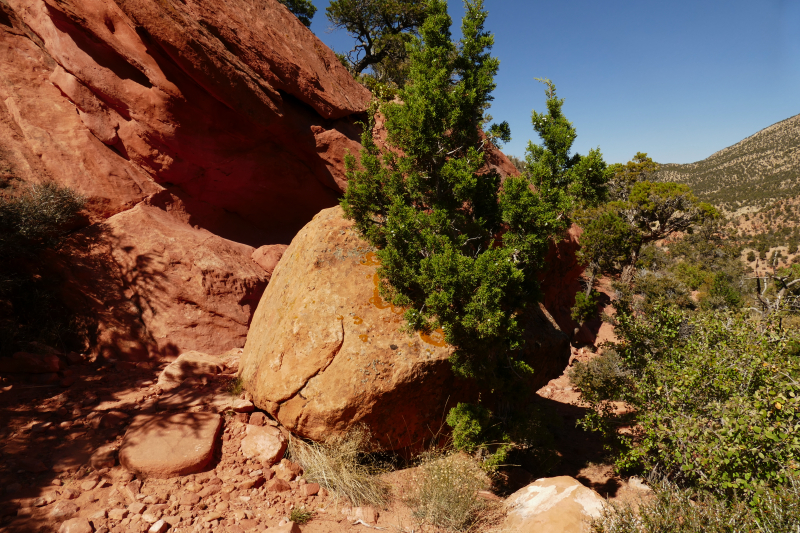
264 443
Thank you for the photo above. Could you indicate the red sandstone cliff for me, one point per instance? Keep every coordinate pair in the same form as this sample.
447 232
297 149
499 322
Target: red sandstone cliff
197 130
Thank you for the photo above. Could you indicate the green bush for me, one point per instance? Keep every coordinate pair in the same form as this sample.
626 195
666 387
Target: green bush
675 510
493 441
585 307
713 398
751 256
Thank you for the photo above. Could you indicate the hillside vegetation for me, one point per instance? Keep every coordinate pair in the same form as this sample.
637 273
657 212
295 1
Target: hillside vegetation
748 175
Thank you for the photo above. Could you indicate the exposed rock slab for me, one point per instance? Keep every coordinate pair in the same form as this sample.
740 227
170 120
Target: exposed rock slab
167 445
189 366
556 505
325 352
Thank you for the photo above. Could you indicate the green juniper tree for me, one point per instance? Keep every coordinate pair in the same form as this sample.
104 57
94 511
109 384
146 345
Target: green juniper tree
302 9
460 248
382 30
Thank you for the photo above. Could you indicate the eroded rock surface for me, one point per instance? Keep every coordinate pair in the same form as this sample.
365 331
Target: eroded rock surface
325 352
198 131
556 505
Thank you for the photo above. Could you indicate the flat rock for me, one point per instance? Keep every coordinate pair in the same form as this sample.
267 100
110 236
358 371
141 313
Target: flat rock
264 443
555 505
30 363
167 445
63 509
75 525
189 365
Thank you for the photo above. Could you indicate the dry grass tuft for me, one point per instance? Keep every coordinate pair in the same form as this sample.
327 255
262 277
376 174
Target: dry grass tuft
446 493
342 466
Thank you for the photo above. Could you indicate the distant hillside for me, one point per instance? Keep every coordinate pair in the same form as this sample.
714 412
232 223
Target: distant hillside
749 175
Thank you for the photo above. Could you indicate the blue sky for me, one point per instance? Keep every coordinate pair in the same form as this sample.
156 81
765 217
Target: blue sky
678 80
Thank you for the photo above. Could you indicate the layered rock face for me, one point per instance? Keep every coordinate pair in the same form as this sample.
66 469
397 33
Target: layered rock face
198 130
325 352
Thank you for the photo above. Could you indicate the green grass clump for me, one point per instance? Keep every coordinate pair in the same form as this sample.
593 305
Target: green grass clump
446 491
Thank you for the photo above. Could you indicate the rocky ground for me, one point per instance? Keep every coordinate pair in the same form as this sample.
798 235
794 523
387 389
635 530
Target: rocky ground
63 442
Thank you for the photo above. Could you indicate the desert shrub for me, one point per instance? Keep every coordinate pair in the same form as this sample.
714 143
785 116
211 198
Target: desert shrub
494 439
751 256
446 491
693 275
343 466
460 249
712 398
37 217
676 510
661 286
300 515
585 307
34 221
722 294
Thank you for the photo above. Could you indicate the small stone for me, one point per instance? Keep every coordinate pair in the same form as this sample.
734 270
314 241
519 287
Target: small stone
284 527
278 485
75 525
365 514
57 482
104 457
252 483
243 406
136 508
288 470
159 527
63 510
265 444
258 419
310 489
88 485
189 499
70 493
117 514
99 515
45 499
113 419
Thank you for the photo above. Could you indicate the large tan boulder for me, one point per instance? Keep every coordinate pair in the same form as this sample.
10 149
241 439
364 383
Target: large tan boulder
555 505
325 352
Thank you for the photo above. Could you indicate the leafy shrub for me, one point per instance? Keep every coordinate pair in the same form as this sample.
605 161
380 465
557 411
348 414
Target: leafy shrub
722 294
493 441
751 256
662 286
676 510
693 275
300 515
446 491
713 398
342 466
585 307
